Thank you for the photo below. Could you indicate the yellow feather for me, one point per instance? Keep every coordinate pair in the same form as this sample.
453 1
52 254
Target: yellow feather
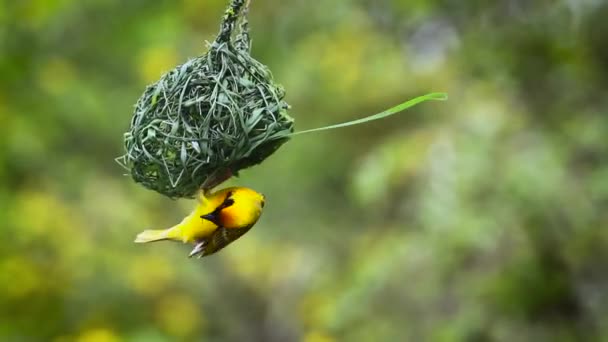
151 235
244 212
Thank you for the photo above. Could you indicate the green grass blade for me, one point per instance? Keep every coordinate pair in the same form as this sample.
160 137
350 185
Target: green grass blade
394 110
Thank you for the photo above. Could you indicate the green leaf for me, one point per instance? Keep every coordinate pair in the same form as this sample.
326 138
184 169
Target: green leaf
394 110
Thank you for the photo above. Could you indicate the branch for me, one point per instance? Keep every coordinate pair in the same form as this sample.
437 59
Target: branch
228 21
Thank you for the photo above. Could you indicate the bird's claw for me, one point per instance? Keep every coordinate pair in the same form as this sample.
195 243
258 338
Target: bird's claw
199 249
216 178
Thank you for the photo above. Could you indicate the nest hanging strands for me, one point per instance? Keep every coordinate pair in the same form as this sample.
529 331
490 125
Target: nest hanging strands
214 115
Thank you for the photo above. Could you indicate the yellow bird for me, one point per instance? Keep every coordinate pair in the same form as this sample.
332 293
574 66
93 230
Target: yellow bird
217 220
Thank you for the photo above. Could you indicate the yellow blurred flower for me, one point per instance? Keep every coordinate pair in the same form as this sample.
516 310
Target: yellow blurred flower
40 214
318 336
179 315
353 58
149 275
18 277
98 335
317 309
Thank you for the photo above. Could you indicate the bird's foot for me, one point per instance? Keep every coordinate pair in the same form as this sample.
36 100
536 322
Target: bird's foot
216 178
199 249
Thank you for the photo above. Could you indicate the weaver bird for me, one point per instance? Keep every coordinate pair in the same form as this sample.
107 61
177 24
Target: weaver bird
218 219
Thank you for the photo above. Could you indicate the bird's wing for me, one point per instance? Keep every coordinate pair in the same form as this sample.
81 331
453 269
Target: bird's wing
222 237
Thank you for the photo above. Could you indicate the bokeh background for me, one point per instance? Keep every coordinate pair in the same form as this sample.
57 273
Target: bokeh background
483 218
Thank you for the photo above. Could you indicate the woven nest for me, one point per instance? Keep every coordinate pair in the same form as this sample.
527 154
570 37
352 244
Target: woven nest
219 111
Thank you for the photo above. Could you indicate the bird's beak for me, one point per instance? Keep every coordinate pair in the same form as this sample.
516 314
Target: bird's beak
211 218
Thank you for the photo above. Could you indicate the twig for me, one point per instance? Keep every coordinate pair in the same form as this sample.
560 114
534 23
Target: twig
230 17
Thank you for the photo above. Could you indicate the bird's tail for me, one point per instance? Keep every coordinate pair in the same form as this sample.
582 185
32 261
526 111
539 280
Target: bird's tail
151 235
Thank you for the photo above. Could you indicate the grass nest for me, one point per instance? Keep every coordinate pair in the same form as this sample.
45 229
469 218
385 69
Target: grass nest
215 114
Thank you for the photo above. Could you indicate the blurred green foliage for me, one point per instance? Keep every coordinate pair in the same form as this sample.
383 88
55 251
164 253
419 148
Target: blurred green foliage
482 218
